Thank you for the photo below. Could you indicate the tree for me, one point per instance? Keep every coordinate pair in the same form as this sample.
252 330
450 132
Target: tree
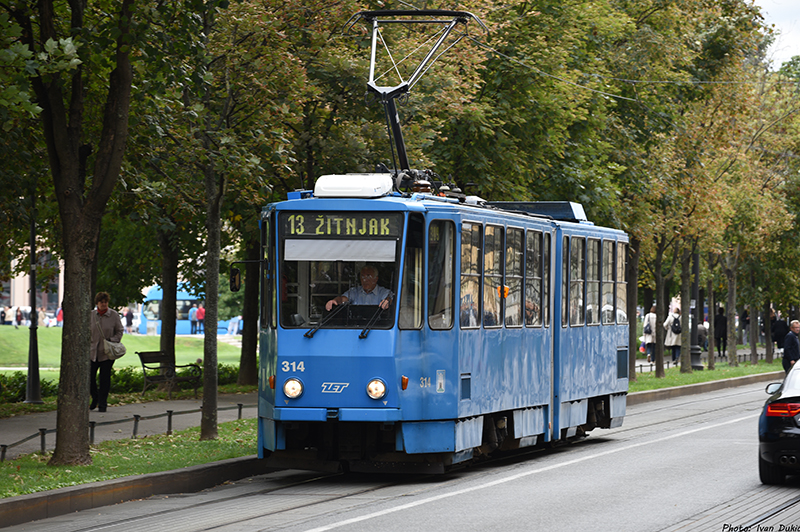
102 33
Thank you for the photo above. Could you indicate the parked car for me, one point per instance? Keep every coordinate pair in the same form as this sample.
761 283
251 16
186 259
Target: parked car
779 430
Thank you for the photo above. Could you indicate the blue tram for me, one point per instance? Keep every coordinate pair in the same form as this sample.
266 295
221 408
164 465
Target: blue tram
506 327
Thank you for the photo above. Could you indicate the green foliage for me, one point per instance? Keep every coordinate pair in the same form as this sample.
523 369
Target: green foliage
125 380
13 387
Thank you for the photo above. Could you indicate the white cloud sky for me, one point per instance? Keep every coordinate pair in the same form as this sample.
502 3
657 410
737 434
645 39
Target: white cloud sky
785 15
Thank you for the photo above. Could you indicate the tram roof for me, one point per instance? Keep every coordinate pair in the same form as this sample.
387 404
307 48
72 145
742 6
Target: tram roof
351 191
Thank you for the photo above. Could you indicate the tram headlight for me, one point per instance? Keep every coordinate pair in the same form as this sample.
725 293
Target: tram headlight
376 388
293 388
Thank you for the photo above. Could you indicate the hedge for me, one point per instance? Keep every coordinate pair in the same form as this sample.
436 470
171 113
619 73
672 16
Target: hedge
124 380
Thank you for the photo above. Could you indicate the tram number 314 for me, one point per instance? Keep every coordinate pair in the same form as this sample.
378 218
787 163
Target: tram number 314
293 366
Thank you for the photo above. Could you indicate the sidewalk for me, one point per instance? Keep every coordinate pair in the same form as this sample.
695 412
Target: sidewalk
17 428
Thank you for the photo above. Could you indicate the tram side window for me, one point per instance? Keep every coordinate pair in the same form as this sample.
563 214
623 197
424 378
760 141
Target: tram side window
608 282
622 285
577 301
411 295
565 281
514 255
593 282
441 273
533 279
471 256
546 280
493 277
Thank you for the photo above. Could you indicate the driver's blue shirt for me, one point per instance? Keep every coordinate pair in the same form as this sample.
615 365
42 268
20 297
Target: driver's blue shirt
358 296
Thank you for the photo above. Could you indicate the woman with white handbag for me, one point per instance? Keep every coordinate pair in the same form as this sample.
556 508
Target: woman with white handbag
106 329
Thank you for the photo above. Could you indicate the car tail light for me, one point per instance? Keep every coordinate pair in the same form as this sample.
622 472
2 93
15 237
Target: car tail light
783 409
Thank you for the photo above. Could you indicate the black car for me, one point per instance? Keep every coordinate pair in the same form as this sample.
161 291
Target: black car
779 430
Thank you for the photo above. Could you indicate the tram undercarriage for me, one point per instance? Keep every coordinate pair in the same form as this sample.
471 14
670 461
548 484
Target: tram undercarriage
336 446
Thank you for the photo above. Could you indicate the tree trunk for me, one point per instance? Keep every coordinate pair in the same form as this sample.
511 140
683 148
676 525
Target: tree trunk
729 267
81 211
647 298
768 331
214 185
686 298
712 311
248 362
632 274
661 301
169 293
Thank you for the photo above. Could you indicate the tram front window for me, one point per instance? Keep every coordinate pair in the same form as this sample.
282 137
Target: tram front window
341 274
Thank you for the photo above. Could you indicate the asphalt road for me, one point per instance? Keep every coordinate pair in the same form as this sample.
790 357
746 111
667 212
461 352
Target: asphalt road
685 463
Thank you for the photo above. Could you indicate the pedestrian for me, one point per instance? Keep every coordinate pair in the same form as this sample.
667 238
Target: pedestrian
201 316
650 333
791 346
18 319
193 318
128 321
60 316
721 331
3 316
673 339
106 325
233 325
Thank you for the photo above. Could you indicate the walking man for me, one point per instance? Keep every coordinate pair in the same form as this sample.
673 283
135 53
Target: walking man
791 346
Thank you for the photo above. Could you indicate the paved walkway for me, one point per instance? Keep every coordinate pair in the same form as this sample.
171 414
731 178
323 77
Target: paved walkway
118 421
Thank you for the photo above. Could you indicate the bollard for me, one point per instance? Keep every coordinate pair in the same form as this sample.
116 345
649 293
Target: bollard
3 452
169 422
135 425
91 432
42 434
240 410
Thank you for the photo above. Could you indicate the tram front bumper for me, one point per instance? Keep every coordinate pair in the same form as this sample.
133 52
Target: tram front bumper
382 415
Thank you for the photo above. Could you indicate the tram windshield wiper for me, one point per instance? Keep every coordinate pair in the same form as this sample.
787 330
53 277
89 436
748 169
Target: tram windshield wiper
374 318
310 333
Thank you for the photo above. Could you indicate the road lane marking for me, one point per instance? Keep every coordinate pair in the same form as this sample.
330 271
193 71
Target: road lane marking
523 475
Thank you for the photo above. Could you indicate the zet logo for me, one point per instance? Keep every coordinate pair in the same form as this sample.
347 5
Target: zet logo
334 387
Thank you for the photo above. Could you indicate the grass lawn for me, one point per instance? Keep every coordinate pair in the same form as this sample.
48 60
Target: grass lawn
121 458
14 349
674 377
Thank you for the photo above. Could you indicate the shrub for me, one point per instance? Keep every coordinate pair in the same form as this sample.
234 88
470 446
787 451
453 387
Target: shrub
123 380
14 387
126 380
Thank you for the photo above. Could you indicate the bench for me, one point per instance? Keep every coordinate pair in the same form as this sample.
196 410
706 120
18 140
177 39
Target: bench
167 371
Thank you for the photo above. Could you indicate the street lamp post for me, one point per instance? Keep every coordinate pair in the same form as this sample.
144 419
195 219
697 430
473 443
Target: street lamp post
33 389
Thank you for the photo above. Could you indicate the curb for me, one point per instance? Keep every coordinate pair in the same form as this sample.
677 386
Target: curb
35 506
703 387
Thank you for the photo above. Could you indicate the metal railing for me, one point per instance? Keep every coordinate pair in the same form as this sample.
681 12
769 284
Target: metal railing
135 420
741 357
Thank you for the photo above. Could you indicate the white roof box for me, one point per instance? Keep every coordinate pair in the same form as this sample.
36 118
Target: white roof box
353 186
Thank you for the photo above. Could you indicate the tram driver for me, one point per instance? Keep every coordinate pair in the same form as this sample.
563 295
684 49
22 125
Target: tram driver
369 293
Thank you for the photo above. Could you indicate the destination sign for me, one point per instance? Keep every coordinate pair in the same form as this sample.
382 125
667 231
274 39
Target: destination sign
341 224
